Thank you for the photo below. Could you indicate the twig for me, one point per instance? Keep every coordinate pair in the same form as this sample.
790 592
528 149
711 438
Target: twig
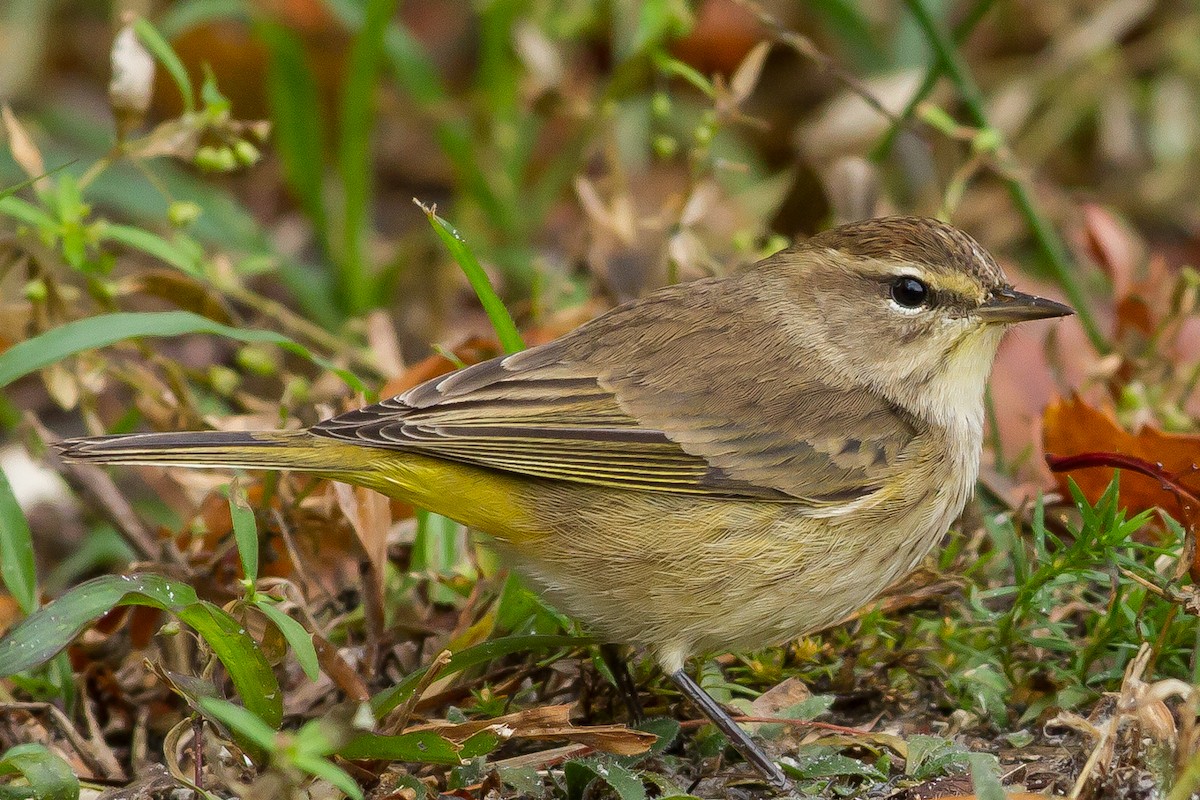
95 486
1047 240
807 49
103 767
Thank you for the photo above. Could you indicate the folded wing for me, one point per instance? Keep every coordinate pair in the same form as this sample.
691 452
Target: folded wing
673 393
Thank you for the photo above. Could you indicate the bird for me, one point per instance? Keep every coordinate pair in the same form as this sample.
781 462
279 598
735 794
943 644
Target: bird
720 465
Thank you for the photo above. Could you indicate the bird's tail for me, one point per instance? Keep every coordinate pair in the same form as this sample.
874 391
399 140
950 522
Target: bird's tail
293 450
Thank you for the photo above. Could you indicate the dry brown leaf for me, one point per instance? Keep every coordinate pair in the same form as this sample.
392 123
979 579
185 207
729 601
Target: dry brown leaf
549 722
24 151
1113 247
370 515
1072 426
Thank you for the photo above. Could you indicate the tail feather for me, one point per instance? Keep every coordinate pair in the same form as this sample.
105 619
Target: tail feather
294 450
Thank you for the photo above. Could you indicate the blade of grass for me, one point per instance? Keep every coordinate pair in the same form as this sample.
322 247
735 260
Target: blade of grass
245 531
105 329
1043 233
356 284
292 91
961 32
493 306
181 18
17 567
417 76
166 56
389 699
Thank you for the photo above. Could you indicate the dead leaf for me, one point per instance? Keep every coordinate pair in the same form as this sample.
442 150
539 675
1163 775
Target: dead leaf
370 515
1072 426
24 151
746 76
549 722
132 85
1113 247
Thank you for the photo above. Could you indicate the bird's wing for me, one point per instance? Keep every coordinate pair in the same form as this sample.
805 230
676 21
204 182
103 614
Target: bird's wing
716 406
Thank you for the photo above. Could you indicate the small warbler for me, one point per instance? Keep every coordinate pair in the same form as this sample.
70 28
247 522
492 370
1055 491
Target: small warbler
720 465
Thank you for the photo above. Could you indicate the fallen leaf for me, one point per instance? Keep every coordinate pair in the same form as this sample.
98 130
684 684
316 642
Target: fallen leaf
24 151
549 722
1072 426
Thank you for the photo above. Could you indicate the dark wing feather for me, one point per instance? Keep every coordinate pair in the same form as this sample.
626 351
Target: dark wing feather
611 404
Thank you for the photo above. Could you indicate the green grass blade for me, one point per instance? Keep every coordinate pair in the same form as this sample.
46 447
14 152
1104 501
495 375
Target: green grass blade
493 306
182 17
292 91
356 284
388 699
166 56
245 531
422 747
17 567
239 720
298 638
105 329
183 259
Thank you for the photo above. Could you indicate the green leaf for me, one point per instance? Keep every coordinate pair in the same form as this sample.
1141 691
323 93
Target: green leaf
28 213
240 720
182 17
245 531
502 321
326 769
51 628
985 777
157 45
818 761
388 699
298 638
49 776
151 243
626 783
422 747
17 568
105 329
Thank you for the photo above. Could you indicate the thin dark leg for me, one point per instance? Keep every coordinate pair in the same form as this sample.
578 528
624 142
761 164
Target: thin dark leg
737 737
611 654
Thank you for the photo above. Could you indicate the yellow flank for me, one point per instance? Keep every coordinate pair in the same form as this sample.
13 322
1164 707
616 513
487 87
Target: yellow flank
489 501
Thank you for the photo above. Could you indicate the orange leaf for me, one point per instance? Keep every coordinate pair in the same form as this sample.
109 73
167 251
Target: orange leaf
1072 426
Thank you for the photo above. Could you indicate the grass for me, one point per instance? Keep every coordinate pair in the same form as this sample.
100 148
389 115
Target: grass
264 638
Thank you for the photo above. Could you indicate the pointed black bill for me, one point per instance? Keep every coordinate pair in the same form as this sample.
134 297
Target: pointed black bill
1008 306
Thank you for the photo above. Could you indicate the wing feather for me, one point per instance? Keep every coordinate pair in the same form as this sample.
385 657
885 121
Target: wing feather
611 404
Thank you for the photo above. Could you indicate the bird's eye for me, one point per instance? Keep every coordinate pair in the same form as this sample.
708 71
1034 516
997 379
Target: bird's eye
910 292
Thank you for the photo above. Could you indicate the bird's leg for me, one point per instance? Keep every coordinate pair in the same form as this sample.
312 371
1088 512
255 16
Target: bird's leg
611 654
740 740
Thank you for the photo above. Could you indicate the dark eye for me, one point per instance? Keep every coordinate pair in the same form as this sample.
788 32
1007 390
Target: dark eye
910 292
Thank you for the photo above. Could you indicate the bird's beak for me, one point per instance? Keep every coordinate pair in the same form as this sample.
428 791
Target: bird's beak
1007 306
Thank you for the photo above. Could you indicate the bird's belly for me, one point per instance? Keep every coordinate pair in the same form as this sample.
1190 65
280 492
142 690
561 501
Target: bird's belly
685 574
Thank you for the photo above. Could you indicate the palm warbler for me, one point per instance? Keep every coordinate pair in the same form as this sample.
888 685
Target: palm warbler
721 465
